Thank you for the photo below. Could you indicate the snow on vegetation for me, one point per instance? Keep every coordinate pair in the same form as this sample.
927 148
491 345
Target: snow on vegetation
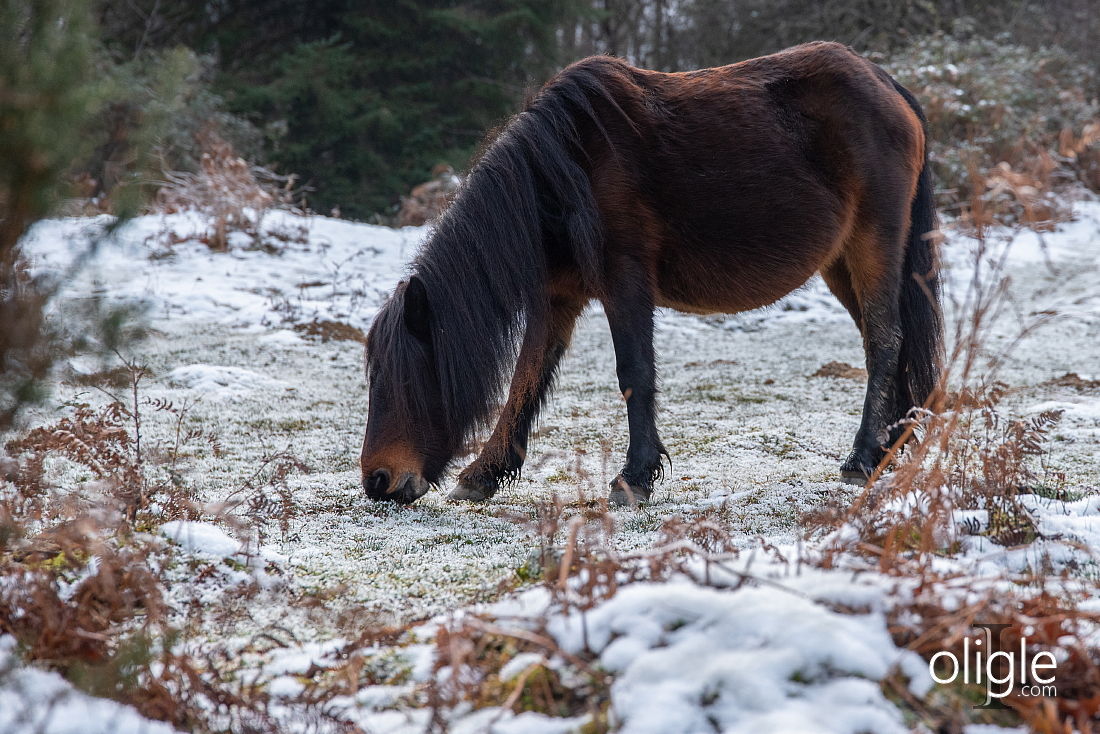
35 701
686 659
261 345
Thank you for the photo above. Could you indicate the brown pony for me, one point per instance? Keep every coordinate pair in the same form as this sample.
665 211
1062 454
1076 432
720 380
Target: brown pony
711 191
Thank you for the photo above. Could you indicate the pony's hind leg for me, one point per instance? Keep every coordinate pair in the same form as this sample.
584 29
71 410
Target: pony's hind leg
629 307
502 456
839 280
874 264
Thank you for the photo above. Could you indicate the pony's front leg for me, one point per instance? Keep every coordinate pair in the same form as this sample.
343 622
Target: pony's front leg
629 310
502 456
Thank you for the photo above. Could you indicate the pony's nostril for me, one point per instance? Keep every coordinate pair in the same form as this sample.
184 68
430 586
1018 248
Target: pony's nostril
379 481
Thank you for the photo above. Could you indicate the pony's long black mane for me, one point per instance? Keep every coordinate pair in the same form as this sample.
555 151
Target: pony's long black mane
486 263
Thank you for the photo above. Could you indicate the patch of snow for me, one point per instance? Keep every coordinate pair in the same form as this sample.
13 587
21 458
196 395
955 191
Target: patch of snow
285 686
298 660
223 381
749 660
496 721
201 538
1085 410
281 338
520 664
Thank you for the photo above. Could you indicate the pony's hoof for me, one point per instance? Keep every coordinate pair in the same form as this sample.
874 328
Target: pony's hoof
853 477
472 490
624 494
855 471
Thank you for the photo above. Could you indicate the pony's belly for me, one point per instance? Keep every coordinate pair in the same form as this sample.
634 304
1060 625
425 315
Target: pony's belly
727 289
705 306
702 310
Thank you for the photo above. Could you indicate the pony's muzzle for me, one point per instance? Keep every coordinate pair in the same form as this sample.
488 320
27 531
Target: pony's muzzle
408 488
377 483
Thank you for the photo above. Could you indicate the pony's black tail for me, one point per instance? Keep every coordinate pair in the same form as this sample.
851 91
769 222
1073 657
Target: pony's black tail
921 357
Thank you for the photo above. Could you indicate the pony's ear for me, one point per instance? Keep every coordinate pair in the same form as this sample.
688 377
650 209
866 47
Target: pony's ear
417 310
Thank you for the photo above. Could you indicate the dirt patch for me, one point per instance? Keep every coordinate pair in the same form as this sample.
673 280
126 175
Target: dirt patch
328 331
1072 379
113 377
712 363
842 370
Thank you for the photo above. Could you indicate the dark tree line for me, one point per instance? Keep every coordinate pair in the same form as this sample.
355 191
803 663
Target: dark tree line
684 34
362 99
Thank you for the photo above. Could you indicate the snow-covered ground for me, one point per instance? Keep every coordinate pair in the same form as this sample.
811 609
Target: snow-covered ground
754 438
